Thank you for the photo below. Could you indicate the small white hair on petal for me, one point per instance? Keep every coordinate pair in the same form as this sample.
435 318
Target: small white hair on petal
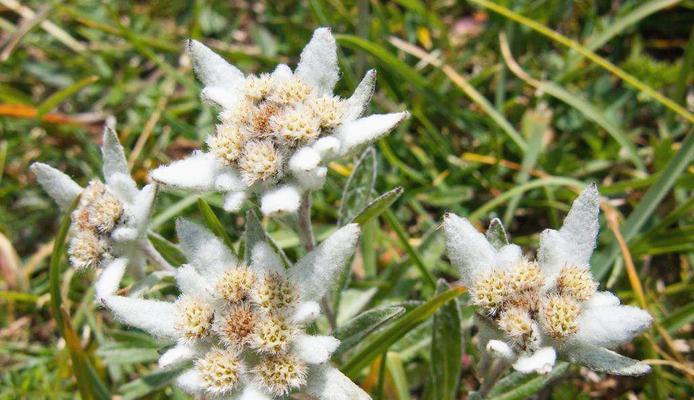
233 201
203 249
359 101
541 361
156 317
327 147
109 279
581 226
264 259
198 172
212 69
355 134
328 383
179 353
499 349
62 189
112 154
611 326
315 349
306 312
467 248
279 201
190 381
318 62
317 272
190 282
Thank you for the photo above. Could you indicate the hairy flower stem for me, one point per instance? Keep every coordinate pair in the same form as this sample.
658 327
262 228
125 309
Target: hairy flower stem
305 231
491 375
304 225
154 256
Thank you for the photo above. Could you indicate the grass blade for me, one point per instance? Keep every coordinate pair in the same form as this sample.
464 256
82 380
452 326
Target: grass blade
52 101
214 224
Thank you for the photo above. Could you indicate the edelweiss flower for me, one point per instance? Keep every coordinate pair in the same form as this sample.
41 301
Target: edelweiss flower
529 311
109 225
277 131
242 323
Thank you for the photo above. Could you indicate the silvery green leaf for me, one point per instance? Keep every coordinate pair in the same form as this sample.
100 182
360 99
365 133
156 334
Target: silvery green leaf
359 188
496 234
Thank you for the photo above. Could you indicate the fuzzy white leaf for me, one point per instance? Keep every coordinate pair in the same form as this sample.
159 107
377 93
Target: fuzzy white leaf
265 260
363 131
508 256
220 97
113 155
142 207
203 249
499 349
229 180
305 166
123 187
59 186
318 64
252 392
581 226
110 278
280 201
282 71
124 234
234 200
191 382
306 312
600 359
601 299
468 249
315 349
212 69
156 317
327 383
198 172
327 147
317 272
541 361
190 282
359 101
179 353
611 326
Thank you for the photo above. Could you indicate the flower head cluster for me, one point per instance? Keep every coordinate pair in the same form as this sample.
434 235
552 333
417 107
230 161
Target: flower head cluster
277 131
530 310
242 322
110 221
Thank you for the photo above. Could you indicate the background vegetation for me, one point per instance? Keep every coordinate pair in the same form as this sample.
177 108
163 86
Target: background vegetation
512 137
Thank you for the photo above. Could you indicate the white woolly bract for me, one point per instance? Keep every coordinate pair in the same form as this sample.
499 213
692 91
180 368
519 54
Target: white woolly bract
305 166
113 155
314 349
58 185
359 101
318 63
233 201
190 282
212 69
600 359
196 173
156 317
611 326
203 249
179 353
316 273
468 249
356 134
279 201
541 361
306 312
327 383
109 279
264 260
499 349
190 381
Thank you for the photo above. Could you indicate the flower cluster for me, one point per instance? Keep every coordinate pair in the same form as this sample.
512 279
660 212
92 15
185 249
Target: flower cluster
530 310
109 224
277 131
242 322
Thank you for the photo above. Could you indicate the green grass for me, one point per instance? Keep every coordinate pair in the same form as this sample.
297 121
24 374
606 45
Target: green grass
513 137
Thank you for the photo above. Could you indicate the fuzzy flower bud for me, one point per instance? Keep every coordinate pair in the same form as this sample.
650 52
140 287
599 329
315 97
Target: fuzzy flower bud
220 371
280 374
260 161
228 143
559 316
87 250
577 283
194 317
236 284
